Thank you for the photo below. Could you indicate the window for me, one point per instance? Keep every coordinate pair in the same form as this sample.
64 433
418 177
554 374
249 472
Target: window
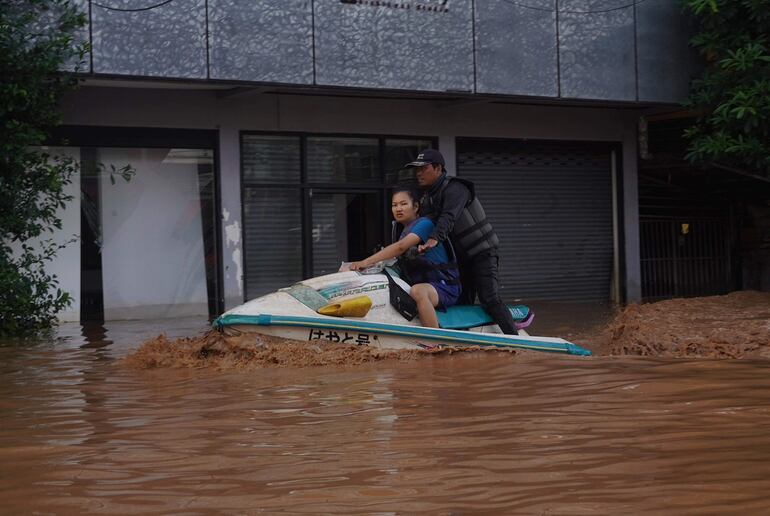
313 201
148 245
155 233
270 159
343 160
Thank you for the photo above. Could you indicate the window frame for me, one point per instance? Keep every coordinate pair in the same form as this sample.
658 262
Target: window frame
305 188
133 137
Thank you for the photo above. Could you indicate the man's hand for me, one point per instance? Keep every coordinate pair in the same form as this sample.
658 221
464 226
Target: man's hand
430 244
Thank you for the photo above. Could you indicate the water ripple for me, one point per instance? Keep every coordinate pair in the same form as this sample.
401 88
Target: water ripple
451 434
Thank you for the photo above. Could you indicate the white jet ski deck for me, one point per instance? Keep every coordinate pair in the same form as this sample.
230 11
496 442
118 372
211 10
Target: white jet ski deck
297 313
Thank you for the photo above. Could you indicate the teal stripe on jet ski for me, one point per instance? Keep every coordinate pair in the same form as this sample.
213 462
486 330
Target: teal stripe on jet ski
453 336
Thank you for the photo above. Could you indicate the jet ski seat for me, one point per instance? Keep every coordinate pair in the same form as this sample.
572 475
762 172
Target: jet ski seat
461 317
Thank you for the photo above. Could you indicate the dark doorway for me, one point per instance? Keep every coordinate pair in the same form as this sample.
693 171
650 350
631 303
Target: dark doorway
688 228
684 257
345 228
91 295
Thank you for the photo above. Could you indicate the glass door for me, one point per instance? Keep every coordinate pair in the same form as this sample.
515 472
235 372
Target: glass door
149 239
344 174
345 226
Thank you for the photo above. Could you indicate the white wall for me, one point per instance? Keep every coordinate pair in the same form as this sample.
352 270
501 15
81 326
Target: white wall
66 265
201 109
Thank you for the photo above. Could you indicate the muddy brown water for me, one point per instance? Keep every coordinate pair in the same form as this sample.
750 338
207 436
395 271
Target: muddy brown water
470 433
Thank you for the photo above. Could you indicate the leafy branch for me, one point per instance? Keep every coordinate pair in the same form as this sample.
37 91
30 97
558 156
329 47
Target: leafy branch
37 41
733 91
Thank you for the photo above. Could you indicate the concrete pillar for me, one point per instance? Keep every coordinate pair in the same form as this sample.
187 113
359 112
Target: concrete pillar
232 228
630 209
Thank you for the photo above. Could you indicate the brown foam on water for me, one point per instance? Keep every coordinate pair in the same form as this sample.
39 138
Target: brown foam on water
215 350
736 325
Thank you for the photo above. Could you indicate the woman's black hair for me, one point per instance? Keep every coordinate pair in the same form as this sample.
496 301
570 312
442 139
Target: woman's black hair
409 188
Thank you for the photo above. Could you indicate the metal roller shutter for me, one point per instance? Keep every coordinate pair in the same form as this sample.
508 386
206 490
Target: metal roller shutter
551 205
272 239
272 222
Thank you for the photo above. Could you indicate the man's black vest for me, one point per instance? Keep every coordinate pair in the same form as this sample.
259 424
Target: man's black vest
472 233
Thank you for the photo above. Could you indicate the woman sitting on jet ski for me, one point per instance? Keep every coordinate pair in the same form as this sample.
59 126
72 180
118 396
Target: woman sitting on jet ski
434 275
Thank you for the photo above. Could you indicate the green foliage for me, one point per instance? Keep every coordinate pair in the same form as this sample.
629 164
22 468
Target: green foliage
732 95
37 41
30 297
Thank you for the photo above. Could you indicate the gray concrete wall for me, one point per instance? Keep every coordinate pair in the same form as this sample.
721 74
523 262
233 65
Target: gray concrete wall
583 49
269 112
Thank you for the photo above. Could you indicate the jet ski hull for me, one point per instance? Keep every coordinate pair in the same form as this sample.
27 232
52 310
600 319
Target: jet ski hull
387 336
293 313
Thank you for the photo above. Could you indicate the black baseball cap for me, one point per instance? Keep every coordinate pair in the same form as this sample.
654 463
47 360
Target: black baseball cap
427 157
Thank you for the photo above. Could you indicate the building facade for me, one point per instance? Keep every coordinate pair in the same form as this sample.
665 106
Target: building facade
265 135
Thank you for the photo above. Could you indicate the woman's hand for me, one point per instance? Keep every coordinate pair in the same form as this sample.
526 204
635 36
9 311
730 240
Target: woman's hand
357 266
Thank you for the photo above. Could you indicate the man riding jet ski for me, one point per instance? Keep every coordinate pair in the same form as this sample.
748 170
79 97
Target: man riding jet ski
369 303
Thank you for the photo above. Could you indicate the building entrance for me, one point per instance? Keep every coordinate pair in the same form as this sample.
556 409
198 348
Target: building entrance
148 238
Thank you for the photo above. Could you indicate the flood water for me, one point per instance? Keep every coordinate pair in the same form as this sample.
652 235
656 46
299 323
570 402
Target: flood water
484 433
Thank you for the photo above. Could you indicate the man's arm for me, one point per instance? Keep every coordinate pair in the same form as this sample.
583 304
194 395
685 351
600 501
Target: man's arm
456 197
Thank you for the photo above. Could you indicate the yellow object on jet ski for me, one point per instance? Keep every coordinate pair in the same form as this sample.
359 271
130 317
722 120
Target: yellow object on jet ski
356 307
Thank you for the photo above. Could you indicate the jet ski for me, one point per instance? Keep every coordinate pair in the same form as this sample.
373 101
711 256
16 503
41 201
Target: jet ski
373 308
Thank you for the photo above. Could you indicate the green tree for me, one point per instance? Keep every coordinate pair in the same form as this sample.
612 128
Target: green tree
732 94
37 43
